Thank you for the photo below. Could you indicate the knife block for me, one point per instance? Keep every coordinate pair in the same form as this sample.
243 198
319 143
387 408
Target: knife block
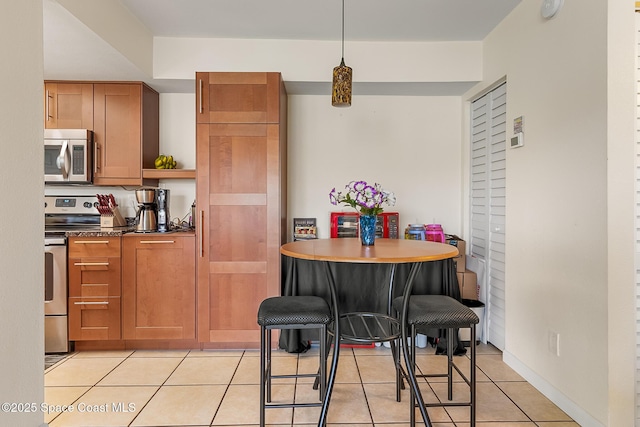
115 219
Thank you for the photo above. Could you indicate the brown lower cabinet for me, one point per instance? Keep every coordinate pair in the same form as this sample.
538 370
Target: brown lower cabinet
158 287
134 291
94 288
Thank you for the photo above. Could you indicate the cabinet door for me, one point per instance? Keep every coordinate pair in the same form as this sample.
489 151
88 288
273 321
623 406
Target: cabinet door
68 105
159 287
239 197
118 133
238 97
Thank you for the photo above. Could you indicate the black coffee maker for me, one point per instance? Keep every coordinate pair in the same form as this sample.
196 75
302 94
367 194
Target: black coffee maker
164 218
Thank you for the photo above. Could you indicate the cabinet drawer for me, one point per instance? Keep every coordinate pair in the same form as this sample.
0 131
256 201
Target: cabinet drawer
94 246
94 277
94 319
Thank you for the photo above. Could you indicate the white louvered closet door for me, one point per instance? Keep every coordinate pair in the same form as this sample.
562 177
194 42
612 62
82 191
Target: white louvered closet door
488 203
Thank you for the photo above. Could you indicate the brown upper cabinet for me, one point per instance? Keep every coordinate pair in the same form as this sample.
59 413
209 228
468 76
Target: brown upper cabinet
238 98
124 117
68 105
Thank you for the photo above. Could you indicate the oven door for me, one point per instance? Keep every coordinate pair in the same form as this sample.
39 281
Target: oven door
55 295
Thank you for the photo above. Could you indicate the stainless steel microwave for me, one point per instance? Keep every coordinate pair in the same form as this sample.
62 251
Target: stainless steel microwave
68 156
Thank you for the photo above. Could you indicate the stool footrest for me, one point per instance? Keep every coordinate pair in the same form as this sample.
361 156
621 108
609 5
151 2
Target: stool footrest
365 327
296 376
293 405
438 405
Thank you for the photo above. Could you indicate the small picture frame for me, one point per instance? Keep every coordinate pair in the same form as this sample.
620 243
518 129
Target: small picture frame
304 229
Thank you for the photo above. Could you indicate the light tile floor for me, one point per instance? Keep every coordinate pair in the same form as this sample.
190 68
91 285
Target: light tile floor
220 388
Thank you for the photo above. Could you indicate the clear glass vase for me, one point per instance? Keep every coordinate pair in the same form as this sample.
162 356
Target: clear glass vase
368 229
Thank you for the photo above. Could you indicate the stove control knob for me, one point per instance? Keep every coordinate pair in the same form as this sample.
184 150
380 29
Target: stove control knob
88 205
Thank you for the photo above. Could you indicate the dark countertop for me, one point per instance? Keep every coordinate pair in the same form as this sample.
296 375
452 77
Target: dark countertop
117 232
102 232
157 233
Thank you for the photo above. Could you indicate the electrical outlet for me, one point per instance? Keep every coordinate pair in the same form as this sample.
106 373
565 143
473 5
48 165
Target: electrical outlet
554 343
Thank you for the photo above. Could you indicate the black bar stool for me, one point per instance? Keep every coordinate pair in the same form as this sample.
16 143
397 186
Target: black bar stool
292 312
420 312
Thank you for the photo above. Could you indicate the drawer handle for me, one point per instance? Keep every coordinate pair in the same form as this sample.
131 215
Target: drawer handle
92 303
91 242
148 242
90 263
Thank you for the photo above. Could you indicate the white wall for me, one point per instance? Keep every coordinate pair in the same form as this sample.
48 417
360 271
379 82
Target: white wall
178 138
410 145
557 253
21 213
622 231
179 58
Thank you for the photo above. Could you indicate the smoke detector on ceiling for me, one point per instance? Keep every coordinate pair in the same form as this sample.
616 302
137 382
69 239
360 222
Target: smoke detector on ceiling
550 8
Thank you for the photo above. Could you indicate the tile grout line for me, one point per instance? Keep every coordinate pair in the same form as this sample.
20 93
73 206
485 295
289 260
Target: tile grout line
364 392
91 386
235 371
503 392
158 389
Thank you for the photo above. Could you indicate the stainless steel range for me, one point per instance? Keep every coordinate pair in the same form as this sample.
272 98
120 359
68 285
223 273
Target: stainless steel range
62 214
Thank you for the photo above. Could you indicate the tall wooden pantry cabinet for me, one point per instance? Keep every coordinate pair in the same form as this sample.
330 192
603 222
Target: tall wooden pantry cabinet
241 156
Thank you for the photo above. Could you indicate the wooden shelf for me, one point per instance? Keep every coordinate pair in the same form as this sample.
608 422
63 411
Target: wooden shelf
169 173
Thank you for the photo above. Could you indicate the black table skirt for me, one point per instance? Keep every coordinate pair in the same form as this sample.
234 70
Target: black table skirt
362 287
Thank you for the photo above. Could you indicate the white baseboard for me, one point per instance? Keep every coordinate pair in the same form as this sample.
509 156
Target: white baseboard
559 399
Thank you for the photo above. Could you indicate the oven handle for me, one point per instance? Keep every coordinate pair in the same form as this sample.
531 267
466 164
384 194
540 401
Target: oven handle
48 277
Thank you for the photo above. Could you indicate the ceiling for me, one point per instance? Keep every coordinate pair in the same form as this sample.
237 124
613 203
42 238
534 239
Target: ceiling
73 51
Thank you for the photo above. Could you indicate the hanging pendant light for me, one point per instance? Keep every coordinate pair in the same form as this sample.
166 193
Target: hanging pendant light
341 87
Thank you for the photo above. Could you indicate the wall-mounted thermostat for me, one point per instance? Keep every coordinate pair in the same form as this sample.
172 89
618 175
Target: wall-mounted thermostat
517 140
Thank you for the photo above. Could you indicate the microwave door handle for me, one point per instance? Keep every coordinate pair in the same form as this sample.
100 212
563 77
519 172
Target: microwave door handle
62 162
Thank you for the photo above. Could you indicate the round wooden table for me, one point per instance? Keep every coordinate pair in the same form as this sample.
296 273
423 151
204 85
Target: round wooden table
388 251
351 250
